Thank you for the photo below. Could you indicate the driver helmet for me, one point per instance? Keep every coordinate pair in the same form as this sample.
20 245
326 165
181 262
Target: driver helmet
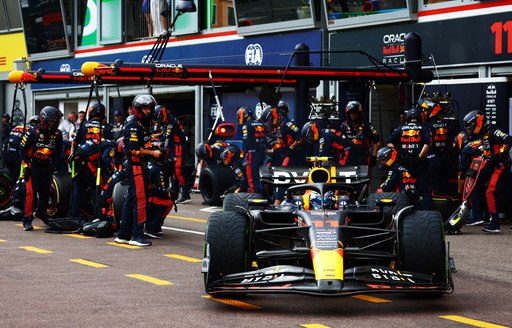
329 200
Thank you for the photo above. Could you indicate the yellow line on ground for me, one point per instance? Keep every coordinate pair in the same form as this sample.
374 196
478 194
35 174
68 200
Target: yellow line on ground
184 258
313 325
75 235
89 263
149 279
3 241
371 299
185 218
124 245
36 250
235 303
471 322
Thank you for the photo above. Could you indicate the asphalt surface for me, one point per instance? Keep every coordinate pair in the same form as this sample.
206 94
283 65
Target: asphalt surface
49 280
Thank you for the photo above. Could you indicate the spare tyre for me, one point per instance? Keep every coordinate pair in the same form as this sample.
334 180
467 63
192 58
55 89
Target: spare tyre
6 185
120 189
61 189
213 183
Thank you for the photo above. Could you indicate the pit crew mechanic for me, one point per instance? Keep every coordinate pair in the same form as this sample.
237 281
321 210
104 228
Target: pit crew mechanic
40 150
137 147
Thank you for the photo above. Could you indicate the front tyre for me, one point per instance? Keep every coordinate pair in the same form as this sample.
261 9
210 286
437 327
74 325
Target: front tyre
226 248
422 247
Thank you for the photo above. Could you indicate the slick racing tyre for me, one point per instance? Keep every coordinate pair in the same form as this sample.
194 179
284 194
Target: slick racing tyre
401 200
120 189
231 201
6 185
213 182
226 248
422 244
60 195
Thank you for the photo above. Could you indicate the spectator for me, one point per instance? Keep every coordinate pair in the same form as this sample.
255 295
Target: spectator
6 128
67 127
118 126
80 120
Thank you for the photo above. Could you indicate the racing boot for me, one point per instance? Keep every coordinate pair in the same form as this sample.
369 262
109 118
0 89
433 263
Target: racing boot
494 224
185 196
27 224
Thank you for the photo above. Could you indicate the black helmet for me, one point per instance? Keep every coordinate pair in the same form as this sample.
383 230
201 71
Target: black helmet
230 154
141 101
283 108
243 114
269 116
310 132
474 121
413 113
49 118
161 115
97 109
386 156
204 151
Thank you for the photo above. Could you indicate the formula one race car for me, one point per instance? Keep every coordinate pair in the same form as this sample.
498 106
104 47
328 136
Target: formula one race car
322 241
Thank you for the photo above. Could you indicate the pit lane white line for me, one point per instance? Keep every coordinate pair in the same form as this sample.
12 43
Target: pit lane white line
211 209
186 231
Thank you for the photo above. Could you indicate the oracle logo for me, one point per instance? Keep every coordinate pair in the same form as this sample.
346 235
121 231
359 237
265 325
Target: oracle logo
393 38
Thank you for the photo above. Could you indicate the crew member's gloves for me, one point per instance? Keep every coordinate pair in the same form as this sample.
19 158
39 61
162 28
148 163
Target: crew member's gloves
25 170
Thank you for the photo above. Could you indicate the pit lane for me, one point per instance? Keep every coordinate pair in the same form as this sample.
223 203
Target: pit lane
49 280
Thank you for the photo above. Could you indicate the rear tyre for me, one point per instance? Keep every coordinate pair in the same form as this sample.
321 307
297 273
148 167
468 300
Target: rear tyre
213 182
231 201
226 248
422 247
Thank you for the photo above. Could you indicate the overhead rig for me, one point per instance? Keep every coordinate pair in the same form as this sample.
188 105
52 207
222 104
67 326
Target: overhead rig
192 74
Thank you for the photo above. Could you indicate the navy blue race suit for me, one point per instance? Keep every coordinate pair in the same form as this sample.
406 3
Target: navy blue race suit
86 153
333 144
361 136
12 151
399 179
410 140
439 156
253 148
135 206
175 138
40 149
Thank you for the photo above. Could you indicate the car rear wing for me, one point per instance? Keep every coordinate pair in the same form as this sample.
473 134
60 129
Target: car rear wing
289 176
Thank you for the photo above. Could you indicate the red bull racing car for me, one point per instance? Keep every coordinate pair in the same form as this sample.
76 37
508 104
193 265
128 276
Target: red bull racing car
323 241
